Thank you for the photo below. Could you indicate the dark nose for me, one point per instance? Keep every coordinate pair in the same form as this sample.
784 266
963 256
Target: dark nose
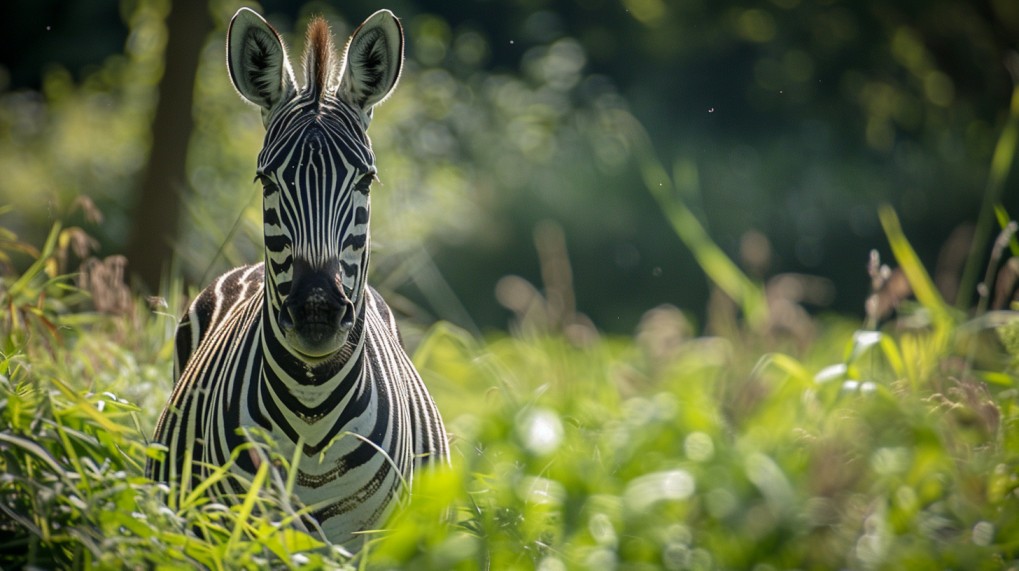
316 308
319 309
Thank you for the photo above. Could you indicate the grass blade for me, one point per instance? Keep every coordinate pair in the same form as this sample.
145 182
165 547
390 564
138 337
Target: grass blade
249 505
720 269
923 286
1001 166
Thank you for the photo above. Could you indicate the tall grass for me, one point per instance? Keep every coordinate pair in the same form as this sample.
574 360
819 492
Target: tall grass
855 447
1001 166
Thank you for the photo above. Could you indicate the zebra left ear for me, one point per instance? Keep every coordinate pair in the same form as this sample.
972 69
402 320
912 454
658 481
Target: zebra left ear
373 61
257 62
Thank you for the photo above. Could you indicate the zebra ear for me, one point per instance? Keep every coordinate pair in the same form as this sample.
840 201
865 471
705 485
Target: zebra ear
373 61
257 61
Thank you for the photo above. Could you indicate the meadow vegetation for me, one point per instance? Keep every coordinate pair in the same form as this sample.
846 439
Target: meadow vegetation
772 442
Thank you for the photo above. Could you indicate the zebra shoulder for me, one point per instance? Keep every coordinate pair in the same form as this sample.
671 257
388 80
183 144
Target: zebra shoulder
209 307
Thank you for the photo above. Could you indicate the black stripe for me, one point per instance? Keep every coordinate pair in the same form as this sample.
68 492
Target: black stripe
355 241
232 414
276 243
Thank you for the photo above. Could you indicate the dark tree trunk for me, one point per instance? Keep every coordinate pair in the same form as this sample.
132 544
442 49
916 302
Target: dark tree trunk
165 184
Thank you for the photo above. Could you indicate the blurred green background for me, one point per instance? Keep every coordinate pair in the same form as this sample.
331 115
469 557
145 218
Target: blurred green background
511 140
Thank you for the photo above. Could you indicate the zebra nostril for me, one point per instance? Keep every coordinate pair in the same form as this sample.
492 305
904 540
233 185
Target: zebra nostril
346 315
286 319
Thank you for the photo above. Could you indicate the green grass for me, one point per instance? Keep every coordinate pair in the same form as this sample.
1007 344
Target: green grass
860 449
811 443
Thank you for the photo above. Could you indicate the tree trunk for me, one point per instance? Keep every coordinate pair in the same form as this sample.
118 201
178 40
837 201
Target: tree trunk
165 184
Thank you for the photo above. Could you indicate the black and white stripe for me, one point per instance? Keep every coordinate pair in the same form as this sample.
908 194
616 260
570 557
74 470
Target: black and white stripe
299 346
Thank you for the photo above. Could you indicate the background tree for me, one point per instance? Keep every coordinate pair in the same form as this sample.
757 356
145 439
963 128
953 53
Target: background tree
164 186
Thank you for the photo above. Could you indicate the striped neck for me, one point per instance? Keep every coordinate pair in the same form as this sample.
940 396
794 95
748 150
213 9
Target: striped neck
283 366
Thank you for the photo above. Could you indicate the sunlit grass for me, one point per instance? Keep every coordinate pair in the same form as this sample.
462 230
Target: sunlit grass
865 449
1000 168
843 445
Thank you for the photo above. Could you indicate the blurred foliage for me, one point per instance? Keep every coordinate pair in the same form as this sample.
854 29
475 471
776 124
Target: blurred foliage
798 117
83 139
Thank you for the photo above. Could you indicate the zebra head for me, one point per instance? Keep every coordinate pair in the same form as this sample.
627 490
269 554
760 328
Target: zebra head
316 168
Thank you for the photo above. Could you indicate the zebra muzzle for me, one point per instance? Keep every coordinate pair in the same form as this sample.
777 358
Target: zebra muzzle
316 316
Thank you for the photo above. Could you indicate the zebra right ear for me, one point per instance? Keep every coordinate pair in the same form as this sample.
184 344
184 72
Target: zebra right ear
372 63
257 61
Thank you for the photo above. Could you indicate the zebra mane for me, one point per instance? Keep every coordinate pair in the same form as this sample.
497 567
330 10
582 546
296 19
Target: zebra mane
319 55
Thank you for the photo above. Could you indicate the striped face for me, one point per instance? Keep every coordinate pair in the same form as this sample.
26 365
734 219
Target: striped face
316 170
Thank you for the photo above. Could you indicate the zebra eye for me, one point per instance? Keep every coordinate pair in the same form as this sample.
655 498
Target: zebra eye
268 186
363 184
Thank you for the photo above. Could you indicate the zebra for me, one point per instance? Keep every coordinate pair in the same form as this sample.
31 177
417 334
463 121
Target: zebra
299 347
